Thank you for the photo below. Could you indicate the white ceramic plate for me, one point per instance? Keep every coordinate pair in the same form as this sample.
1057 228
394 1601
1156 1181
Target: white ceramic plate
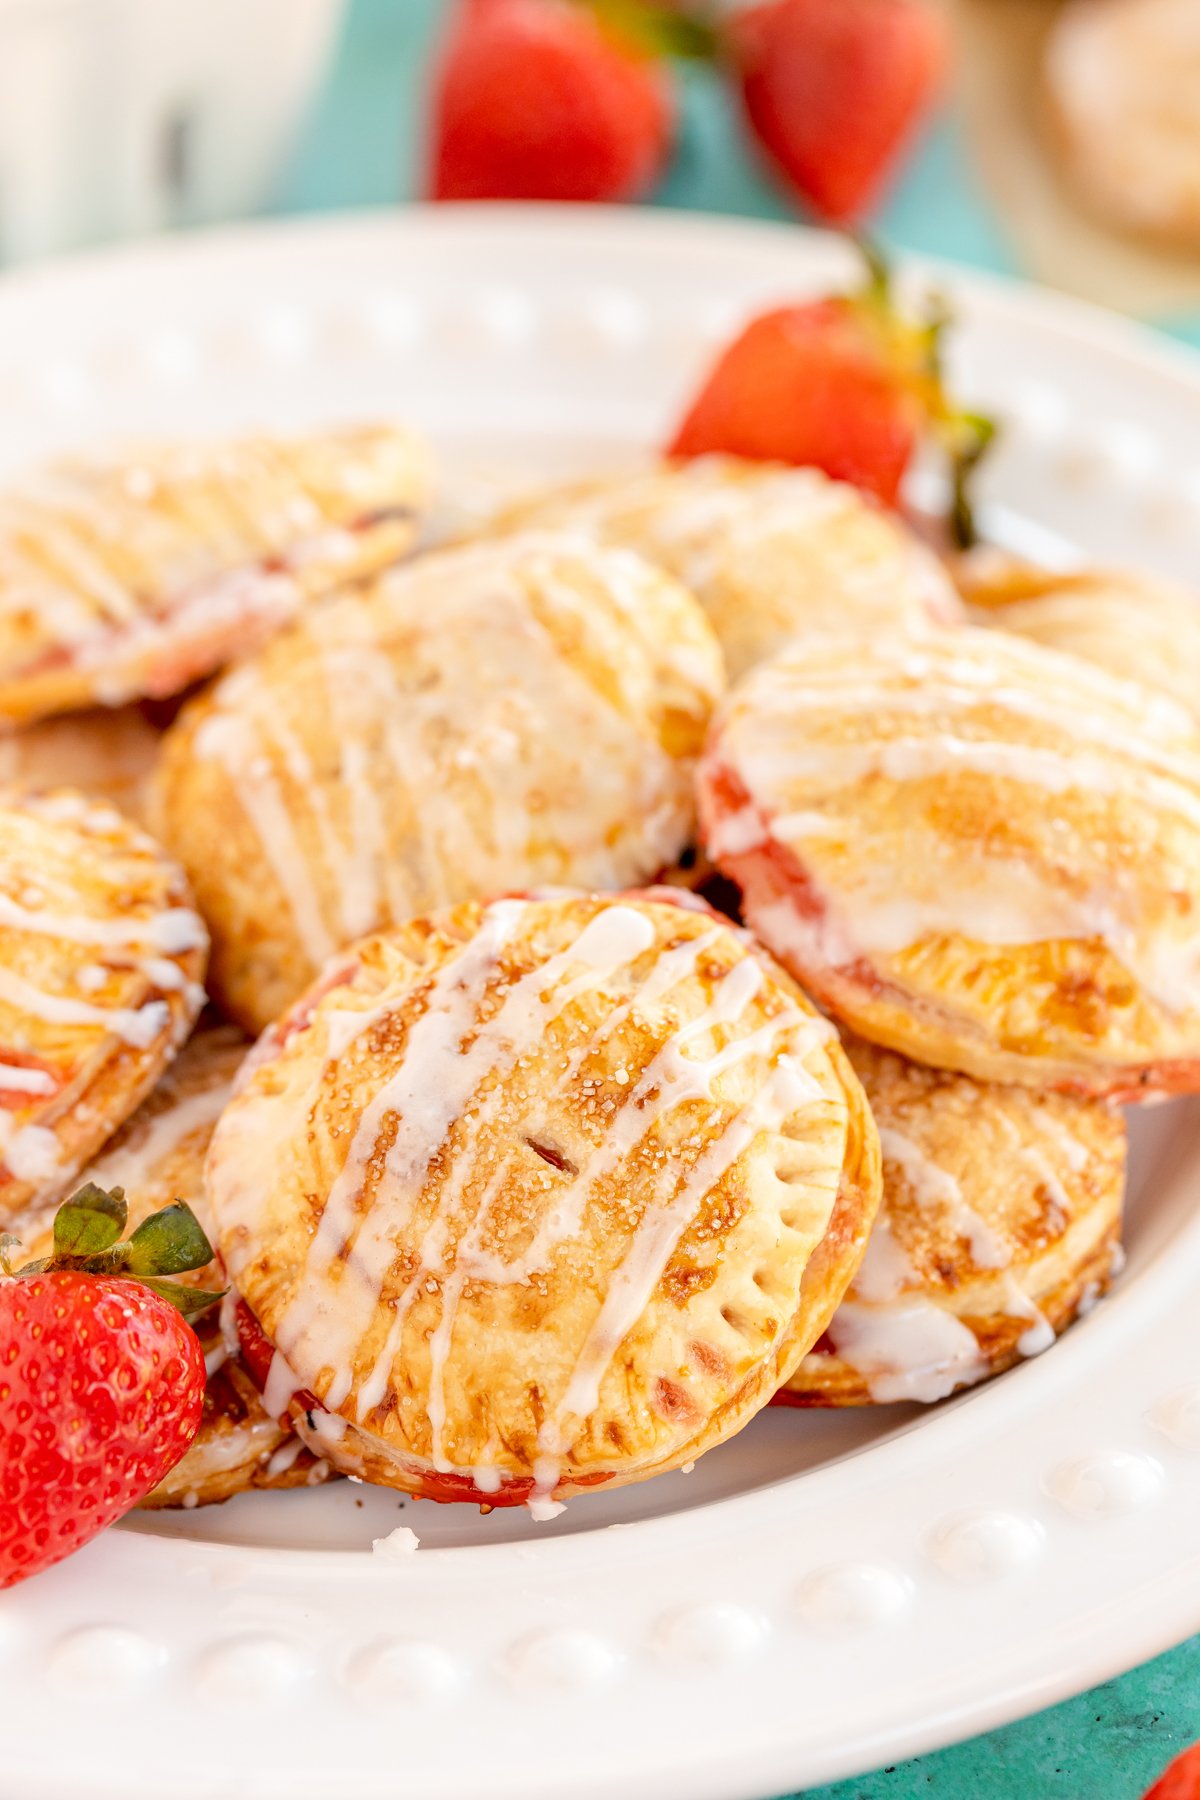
826 1593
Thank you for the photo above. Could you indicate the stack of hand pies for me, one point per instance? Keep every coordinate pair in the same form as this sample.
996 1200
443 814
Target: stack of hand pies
631 1049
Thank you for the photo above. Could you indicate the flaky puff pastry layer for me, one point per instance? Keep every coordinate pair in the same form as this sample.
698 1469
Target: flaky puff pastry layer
769 552
542 1195
490 718
101 960
1132 625
135 573
1000 1224
974 850
158 1157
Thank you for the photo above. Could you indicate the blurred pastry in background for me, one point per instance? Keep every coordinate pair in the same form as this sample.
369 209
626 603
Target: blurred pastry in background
490 718
768 551
1014 137
1123 80
109 753
1130 624
135 572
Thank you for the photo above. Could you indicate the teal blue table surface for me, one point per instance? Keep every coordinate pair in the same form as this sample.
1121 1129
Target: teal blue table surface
363 146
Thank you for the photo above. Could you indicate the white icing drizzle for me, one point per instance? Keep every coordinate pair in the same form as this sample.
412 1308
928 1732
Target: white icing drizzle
1106 737
885 1271
411 723
935 1187
30 1152
146 944
453 1067
17 1080
1018 1305
912 1350
281 1460
138 1026
634 1280
232 740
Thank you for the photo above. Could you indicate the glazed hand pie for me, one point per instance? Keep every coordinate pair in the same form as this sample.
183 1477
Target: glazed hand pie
972 849
541 1195
1000 1224
1131 625
137 573
109 754
768 551
101 960
489 718
157 1157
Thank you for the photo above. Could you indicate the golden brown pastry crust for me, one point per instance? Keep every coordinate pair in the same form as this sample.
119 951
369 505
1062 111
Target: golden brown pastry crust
541 1195
139 572
768 551
490 718
975 850
101 959
108 753
1135 626
1000 1223
157 1157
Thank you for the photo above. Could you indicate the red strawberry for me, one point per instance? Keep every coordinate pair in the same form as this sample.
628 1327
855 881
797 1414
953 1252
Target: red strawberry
846 384
834 89
1181 1781
101 1378
807 384
534 100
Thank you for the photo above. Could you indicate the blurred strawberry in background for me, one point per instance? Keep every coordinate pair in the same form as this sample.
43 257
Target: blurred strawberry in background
574 99
1181 1781
546 100
835 90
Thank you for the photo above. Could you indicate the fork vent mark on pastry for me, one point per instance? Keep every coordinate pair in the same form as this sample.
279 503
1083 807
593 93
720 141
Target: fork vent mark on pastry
976 850
490 718
101 960
446 1319
135 573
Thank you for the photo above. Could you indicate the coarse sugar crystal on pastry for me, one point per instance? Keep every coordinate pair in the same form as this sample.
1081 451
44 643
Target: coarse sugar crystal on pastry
541 1195
135 572
109 753
101 959
493 717
974 850
1135 626
156 1158
1000 1225
768 551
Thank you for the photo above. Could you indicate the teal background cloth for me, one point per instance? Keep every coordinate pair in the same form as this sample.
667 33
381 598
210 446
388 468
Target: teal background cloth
363 147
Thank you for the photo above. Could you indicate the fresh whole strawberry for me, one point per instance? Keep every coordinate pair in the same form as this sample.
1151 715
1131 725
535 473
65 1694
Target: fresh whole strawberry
101 1377
1181 1780
835 89
541 100
849 384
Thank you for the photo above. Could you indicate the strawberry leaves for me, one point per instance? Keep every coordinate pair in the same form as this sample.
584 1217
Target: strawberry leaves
87 1239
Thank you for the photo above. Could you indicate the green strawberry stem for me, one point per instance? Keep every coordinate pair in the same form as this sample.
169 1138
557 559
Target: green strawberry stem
918 348
87 1238
657 30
